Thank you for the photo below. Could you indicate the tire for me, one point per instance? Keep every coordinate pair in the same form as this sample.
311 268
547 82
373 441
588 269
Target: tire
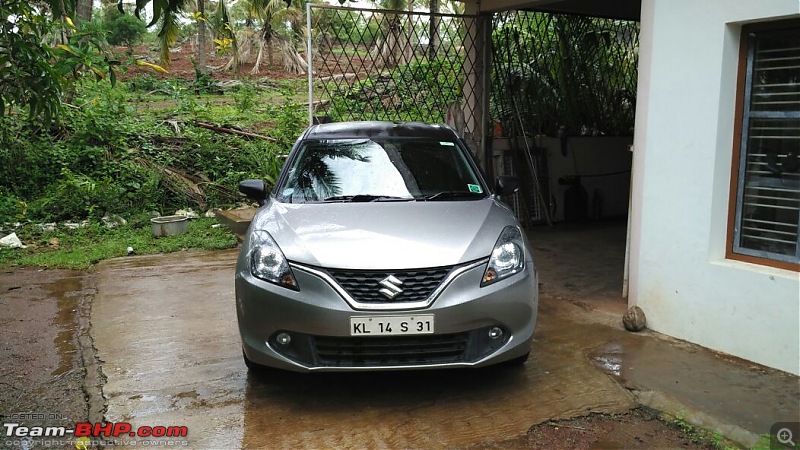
265 373
255 368
250 364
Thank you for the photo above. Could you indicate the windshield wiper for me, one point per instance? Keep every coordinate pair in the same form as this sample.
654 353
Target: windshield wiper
452 194
367 198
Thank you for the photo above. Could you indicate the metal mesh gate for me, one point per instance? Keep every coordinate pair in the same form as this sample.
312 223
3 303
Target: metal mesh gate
565 74
395 65
558 75
551 75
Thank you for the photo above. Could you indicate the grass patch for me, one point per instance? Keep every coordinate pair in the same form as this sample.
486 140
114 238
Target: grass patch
698 435
83 247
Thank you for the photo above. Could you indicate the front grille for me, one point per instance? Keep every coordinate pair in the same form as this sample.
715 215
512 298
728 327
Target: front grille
391 351
364 285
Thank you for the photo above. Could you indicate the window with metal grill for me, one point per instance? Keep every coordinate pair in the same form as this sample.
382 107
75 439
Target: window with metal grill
767 157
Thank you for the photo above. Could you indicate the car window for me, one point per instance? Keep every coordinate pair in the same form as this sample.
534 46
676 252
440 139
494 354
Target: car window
371 170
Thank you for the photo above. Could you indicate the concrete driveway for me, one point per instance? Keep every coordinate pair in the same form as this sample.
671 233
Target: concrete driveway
165 331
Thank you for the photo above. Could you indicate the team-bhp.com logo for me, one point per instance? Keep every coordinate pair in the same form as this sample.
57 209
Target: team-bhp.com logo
86 430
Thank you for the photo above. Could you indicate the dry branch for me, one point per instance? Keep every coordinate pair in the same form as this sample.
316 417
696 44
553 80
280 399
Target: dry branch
178 182
320 104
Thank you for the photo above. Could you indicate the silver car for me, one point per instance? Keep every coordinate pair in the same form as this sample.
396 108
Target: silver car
382 247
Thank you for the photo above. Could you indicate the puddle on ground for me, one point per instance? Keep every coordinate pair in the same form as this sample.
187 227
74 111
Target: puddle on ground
67 292
610 361
188 262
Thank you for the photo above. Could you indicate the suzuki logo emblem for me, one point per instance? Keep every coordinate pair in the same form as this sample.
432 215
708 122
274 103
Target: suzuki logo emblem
391 287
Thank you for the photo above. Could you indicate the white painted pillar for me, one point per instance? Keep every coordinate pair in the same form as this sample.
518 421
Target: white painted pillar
640 148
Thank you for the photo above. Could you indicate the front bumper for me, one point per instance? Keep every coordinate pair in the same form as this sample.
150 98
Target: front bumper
317 318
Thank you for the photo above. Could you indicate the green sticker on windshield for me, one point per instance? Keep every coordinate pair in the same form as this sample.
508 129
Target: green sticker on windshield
475 188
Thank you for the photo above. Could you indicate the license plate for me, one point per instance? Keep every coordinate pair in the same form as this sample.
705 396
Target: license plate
391 325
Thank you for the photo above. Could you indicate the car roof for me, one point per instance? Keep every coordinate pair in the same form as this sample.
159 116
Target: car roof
378 129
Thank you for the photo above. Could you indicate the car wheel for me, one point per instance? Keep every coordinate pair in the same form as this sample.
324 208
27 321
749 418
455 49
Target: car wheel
250 364
255 367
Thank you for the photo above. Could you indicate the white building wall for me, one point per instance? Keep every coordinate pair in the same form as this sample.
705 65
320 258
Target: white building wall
681 180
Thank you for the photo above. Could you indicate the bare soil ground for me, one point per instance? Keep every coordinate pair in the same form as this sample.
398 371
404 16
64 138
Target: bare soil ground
182 65
638 428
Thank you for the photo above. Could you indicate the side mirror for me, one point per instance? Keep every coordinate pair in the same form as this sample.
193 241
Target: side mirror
506 185
254 190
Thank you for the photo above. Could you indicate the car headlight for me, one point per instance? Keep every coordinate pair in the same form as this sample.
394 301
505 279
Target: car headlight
508 257
268 263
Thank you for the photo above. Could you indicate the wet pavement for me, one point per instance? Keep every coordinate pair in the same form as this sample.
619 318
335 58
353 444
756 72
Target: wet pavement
165 331
44 317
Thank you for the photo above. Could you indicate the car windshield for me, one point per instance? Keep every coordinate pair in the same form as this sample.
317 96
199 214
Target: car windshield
360 170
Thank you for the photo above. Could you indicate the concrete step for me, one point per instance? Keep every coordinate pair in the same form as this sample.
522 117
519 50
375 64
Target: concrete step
237 220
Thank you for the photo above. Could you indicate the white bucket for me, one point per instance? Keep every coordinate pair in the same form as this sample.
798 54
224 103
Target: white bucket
169 225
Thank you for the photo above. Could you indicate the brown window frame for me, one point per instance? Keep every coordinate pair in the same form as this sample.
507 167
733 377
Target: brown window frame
739 152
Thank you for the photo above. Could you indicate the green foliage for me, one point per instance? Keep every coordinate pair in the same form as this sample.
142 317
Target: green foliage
35 76
418 91
85 53
166 13
292 120
82 247
27 77
566 71
698 435
349 27
10 206
147 83
203 81
109 157
244 97
122 29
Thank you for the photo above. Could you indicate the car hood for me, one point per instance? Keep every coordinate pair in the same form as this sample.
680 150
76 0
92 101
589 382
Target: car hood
384 235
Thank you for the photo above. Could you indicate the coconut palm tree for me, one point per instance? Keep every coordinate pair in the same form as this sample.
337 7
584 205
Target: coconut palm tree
433 33
197 8
272 15
389 49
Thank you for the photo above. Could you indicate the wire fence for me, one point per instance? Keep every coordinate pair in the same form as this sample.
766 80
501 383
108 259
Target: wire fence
393 65
550 74
564 74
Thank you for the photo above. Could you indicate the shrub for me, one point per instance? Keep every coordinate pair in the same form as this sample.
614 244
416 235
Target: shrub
106 157
123 29
11 208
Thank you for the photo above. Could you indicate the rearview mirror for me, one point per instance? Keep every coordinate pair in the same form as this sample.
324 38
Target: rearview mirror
506 185
254 190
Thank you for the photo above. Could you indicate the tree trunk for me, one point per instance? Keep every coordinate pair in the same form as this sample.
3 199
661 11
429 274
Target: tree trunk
201 37
389 49
433 43
411 45
268 37
83 10
257 66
